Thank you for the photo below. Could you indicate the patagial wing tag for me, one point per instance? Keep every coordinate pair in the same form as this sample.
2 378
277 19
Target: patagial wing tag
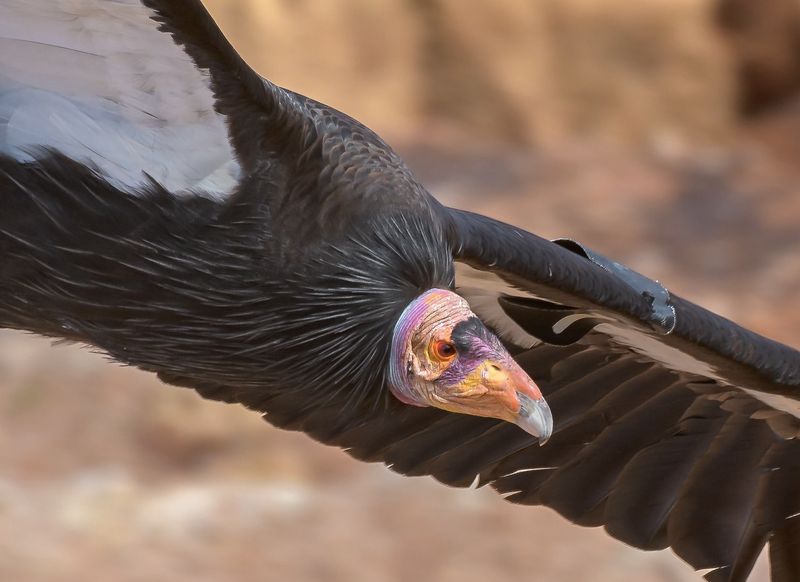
662 312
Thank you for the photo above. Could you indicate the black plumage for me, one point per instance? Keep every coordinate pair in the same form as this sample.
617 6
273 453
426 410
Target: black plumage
282 291
199 291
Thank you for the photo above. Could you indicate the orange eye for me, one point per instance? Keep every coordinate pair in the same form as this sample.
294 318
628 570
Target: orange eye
444 350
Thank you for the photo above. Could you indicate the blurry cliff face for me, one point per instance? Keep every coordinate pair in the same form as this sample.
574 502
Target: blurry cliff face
529 72
764 38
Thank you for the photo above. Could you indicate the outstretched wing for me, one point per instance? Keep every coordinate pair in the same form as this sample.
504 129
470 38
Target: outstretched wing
139 90
674 427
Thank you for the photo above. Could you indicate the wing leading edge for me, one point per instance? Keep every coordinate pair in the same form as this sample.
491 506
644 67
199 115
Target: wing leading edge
685 439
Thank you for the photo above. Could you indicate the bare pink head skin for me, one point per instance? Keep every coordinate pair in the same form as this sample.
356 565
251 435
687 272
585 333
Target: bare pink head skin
443 356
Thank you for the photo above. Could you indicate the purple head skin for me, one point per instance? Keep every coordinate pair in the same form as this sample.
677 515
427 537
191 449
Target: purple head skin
443 356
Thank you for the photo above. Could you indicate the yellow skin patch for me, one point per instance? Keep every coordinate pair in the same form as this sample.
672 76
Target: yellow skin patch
483 392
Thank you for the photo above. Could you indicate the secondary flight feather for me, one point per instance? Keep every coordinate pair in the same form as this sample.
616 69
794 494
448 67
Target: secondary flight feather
166 204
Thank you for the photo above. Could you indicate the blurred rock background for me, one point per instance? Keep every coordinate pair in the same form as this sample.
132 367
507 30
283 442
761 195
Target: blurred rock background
663 133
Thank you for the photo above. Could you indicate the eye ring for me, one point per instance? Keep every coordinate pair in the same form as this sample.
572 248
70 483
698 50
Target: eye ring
444 350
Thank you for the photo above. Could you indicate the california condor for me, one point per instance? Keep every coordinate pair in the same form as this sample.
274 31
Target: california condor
163 202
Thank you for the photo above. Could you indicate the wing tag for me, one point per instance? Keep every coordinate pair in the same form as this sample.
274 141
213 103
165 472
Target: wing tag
662 312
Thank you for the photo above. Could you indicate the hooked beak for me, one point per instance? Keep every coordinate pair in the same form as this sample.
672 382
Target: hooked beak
502 390
535 417
529 409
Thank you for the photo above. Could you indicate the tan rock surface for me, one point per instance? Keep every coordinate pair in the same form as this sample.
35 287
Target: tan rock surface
524 71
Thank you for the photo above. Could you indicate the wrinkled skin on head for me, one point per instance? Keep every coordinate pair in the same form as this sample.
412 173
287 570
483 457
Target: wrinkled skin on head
443 356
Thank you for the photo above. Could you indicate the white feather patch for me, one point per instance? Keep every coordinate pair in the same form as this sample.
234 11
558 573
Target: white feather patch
482 289
777 402
98 81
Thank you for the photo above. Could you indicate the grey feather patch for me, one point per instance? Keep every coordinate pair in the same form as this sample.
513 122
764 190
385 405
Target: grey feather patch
99 82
